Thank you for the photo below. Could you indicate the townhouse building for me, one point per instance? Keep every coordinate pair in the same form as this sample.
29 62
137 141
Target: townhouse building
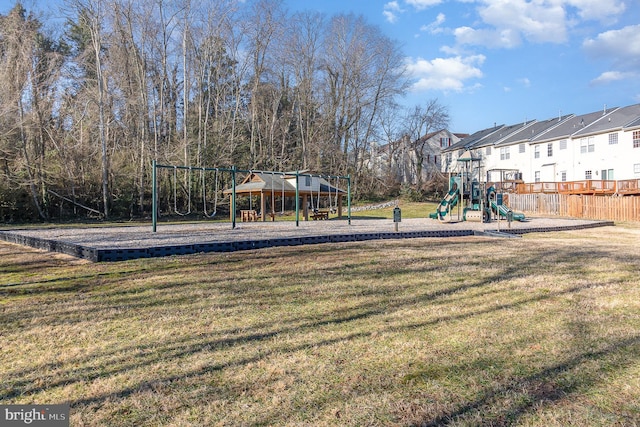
602 145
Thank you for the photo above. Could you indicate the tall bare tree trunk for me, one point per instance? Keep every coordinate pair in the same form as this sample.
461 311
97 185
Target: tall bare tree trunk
96 42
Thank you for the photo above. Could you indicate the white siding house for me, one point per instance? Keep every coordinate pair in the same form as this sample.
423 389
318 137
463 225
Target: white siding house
402 159
603 145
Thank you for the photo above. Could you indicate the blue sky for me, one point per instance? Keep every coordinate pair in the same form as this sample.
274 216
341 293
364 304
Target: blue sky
503 61
507 61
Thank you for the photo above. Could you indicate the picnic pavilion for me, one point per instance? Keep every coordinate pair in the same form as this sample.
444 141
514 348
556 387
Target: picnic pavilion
319 197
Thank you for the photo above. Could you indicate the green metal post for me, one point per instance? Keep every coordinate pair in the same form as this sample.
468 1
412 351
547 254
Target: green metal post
154 197
349 199
233 196
297 201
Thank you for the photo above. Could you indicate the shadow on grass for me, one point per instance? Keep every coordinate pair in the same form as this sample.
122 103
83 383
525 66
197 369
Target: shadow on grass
498 406
543 386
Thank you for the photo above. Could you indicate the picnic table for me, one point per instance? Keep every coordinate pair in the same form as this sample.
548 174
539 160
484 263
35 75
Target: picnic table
248 215
316 215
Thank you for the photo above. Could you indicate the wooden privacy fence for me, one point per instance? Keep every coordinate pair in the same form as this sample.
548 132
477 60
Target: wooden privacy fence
612 208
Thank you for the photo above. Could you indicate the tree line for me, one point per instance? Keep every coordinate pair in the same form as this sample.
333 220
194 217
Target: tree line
88 102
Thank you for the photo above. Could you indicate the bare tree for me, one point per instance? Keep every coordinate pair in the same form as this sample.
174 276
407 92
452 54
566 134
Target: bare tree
364 72
90 21
29 66
263 25
301 51
420 123
190 82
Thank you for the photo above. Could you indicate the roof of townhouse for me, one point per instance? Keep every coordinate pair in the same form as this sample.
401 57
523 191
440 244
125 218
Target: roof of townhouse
473 139
502 133
385 147
461 135
614 120
534 129
634 124
568 127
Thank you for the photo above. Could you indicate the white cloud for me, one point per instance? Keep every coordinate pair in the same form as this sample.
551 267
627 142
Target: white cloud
393 5
597 9
390 16
504 38
391 11
619 47
525 82
434 27
612 76
506 23
451 50
623 43
423 4
537 21
446 74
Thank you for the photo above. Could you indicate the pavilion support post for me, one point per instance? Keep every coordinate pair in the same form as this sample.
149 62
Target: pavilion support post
263 207
349 199
273 206
305 207
233 197
154 197
340 206
297 199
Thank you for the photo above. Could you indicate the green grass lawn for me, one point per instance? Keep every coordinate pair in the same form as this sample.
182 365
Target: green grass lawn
538 331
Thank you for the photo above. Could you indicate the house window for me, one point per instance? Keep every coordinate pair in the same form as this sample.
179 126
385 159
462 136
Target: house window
521 148
435 159
613 138
563 176
550 149
587 145
504 153
487 151
636 139
587 174
307 181
536 152
563 144
445 142
537 176
636 169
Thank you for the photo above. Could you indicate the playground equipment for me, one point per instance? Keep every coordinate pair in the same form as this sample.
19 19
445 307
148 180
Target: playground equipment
500 208
466 200
179 194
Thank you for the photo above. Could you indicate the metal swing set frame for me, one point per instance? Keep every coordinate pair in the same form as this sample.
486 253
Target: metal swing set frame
234 171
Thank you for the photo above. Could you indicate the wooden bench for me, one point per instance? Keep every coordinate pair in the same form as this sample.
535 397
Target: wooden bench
320 215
